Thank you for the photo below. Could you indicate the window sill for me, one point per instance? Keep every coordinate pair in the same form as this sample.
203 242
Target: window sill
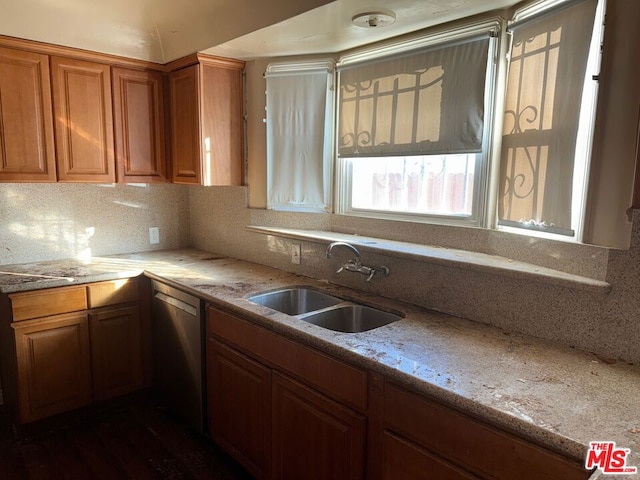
448 257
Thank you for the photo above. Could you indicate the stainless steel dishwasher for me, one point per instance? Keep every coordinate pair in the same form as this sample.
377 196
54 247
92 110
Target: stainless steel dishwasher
178 353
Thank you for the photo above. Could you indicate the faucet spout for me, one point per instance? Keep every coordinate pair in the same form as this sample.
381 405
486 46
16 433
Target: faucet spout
355 264
353 249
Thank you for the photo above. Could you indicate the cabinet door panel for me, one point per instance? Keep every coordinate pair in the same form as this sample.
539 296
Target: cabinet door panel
139 125
404 460
84 123
222 124
185 126
26 120
116 352
53 364
239 403
314 437
476 446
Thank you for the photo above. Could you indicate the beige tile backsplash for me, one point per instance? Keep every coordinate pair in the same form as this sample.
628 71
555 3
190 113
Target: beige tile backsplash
56 221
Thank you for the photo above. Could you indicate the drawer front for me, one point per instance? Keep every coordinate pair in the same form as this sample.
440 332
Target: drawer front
472 444
43 303
338 379
405 461
112 292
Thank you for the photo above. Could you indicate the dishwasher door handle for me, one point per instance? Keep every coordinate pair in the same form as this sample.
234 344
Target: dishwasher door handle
175 302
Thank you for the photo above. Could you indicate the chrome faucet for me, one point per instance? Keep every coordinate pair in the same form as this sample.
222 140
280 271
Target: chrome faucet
355 264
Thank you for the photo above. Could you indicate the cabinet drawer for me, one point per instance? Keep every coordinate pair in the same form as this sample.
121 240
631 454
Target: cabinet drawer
42 303
472 444
338 379
405 461
113 292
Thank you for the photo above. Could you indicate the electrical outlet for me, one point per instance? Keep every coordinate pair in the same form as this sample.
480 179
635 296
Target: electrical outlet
154 235
295 253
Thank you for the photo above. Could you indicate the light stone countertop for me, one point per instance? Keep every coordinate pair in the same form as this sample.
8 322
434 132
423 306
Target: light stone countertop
549 393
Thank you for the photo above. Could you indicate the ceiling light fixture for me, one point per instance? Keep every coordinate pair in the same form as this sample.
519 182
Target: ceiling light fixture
374 19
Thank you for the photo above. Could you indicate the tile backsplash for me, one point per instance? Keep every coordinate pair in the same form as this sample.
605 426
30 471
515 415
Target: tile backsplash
608 324
51 221
57 221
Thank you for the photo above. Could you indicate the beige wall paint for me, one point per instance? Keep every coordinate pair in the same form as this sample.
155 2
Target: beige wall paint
614 150
51 221
256 132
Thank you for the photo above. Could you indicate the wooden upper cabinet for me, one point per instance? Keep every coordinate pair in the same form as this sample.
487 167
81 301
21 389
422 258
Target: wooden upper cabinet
83 120
207 122
138 108
185 132
26 122
222 126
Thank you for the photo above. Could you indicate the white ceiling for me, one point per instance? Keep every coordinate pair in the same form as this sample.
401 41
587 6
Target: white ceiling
329 29
164 30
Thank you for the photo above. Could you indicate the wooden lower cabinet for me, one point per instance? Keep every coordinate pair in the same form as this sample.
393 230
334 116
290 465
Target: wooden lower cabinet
276 426
449 439
53 365
314 437
64 348
404 460
116 353
239 405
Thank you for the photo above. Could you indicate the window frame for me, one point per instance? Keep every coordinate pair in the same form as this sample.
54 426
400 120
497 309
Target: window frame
486 198
587 119
483 185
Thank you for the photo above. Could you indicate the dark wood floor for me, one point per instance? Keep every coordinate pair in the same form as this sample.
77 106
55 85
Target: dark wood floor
138 440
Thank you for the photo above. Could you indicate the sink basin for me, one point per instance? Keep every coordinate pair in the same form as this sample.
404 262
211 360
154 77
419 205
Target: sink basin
351 318
295 301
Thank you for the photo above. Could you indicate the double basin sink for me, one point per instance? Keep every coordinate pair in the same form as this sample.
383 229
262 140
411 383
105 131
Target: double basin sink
324 310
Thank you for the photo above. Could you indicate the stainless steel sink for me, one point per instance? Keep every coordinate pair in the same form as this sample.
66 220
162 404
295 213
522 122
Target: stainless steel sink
351 318
295 301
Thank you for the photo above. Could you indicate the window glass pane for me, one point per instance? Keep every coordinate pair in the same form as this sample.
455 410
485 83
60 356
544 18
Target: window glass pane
432 185
542 112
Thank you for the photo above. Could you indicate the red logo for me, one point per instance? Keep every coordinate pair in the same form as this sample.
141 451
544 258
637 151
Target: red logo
608 458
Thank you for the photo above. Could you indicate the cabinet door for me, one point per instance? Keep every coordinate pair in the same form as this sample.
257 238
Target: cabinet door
239 405
471 444
222 123
53 364
138 107
26 120
84 124
116 351
185 126
314 437
403 460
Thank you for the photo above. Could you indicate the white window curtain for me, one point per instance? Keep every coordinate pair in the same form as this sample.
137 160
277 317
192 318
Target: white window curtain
542 112
429 101
299 136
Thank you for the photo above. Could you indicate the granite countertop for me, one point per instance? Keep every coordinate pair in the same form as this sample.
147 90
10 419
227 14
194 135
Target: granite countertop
549 393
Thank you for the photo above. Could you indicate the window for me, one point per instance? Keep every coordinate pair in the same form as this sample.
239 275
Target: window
413 128
550 100
299 135
414 123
